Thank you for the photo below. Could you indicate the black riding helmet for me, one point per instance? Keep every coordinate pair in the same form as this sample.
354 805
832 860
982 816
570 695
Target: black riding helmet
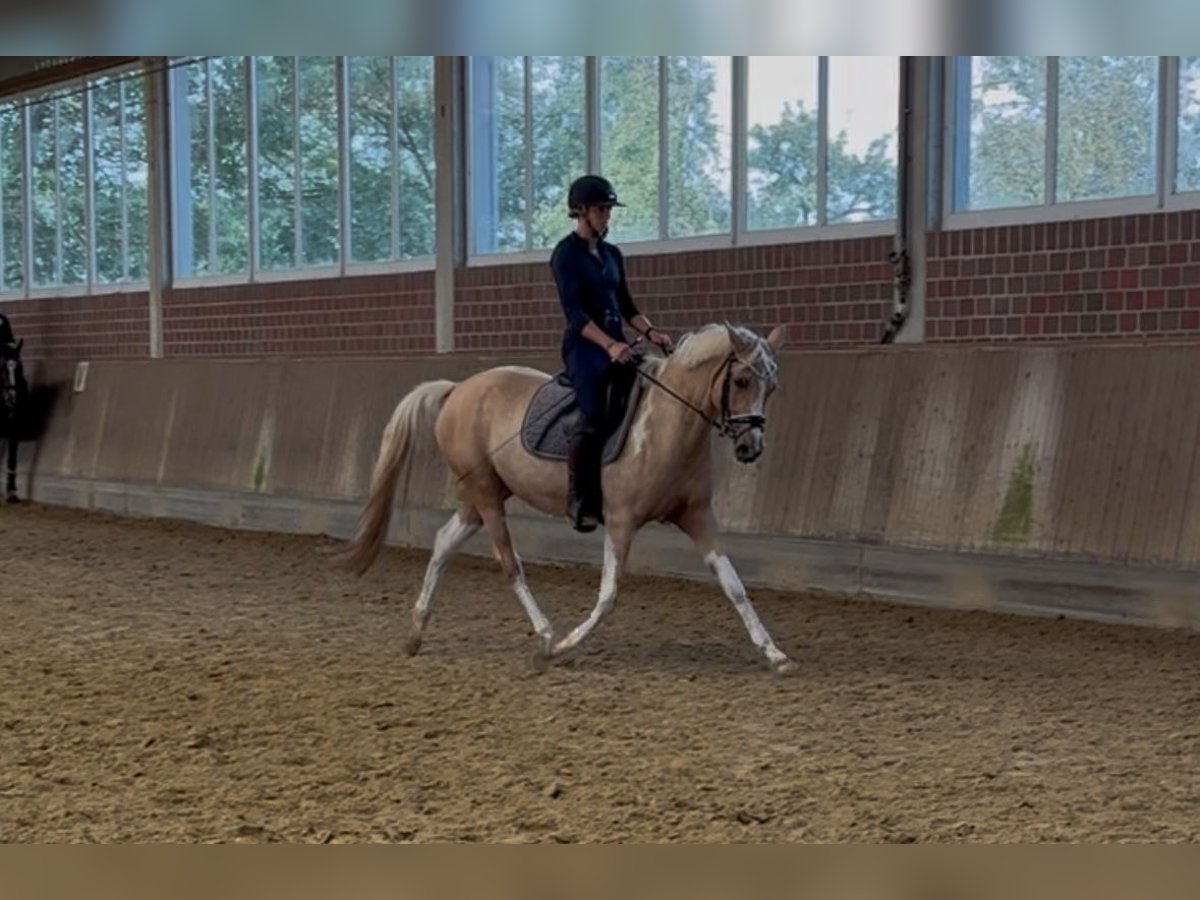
590 190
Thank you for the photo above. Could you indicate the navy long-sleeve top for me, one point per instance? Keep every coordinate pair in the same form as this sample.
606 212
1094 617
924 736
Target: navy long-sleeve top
591 289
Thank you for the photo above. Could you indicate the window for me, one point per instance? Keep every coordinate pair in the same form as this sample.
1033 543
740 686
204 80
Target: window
1107 120
1033 130
1001 148
665 141
12 199
822 138
58 188
781 158
268 195
1187 173
120 180
391 158
73 186
629 145
698 143
820 144
864 98
528 141
296 121
212 211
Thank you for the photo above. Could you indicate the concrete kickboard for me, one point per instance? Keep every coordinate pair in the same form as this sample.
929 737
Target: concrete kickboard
1037 586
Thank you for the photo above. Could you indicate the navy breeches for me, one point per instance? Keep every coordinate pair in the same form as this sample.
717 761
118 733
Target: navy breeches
590 371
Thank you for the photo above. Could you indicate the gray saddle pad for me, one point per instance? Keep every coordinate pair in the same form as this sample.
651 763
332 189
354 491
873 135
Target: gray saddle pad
552 414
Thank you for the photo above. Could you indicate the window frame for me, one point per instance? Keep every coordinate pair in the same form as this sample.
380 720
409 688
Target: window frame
24 101
738 234
1164 198
254 273
1174 199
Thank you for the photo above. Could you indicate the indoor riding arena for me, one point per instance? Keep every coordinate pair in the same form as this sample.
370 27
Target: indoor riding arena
973 531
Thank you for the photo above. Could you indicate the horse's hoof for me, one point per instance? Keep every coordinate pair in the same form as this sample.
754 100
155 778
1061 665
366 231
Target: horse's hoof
12 498
784 667
541 661
413 644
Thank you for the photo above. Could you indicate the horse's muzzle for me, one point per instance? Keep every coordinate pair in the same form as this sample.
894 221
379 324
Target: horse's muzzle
749 446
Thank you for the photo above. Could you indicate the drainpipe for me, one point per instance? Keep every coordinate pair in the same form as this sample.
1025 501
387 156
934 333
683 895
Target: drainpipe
450 192
155 78
912 186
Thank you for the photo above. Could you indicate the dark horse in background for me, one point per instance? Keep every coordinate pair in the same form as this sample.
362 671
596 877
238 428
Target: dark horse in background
14 397
24 411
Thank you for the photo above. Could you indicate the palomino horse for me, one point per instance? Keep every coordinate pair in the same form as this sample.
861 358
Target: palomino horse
720 376
13 395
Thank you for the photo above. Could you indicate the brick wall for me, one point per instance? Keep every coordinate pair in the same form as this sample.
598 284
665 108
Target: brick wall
373 315
829 292
1116 278
506 307
104 326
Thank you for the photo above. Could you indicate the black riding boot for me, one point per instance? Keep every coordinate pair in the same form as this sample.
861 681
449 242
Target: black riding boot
583 465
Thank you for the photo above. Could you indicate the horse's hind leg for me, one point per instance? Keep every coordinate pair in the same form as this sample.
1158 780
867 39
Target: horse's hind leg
497 528
450 538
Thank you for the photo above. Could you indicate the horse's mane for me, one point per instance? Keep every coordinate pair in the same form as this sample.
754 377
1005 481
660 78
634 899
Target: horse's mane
712 342
698 347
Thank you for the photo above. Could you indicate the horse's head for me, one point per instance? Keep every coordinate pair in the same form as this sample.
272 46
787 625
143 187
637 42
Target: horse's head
742 371
746 381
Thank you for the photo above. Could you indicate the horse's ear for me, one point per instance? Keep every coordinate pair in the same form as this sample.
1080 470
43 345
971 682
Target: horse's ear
20 344
737 341
777 338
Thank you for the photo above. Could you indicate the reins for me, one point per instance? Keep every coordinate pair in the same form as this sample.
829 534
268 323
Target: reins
725 426
728 424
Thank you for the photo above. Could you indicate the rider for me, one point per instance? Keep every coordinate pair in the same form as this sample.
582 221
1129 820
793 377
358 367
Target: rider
590 275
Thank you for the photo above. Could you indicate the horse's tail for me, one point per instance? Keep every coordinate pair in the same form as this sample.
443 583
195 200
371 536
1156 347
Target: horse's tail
415 413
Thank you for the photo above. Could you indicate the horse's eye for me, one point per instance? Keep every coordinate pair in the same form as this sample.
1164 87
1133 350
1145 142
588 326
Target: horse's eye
742 382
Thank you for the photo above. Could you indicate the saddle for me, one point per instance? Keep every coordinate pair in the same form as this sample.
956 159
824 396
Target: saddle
552 415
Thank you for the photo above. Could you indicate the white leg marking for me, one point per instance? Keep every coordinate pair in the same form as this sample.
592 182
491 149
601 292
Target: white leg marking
449 538
732 585
540 623
604 603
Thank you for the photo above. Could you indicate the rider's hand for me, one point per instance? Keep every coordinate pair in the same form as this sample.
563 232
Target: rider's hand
661 339
620 352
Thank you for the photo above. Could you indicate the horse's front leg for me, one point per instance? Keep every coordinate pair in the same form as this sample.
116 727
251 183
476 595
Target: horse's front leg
617 539
10 481
698 524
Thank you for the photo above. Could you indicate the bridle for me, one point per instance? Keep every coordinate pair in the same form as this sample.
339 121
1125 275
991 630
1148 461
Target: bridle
748 421
728 425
